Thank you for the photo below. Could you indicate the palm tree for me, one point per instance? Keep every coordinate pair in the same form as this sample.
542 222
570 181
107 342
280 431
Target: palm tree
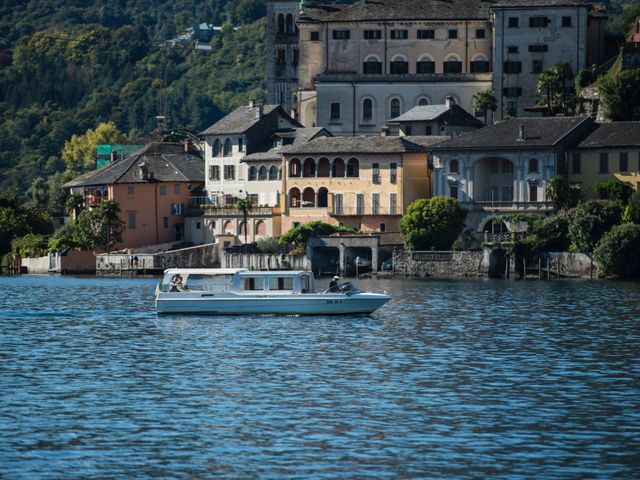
548 84
483 102
74 204
245 205
113 226
564 74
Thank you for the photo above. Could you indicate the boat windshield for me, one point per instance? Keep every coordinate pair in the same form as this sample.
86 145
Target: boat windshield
348 288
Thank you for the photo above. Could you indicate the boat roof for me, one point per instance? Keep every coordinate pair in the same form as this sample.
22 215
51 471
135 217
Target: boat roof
203 271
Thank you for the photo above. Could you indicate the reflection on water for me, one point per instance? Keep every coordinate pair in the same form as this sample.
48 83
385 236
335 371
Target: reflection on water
458 379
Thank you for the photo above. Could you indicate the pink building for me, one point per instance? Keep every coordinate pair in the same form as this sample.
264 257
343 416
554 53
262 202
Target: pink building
153 188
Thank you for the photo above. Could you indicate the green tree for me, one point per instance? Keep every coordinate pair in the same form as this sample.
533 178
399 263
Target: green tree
483 102
590 221
245 206
30 245
615 190
634 207
80 153
100 227
74 204
65 238
548 85
618 252
300 234
432 223
620 94
17 220
562 195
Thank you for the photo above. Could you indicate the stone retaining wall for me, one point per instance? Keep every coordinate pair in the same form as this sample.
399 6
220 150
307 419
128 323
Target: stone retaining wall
439 264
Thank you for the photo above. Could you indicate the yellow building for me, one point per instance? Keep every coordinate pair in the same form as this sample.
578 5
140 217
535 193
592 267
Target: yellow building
611 151
360 182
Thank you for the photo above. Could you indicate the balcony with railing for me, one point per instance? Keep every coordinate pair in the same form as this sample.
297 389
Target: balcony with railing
231 211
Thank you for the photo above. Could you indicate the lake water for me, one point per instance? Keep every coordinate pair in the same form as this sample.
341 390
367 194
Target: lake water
452 379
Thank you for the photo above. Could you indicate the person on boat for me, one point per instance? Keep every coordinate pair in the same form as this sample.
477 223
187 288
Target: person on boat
176 284
333 284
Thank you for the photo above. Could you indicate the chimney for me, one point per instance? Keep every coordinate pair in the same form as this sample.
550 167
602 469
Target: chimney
449 101
259 111
160 123
521 133
143 170
384 132
252 103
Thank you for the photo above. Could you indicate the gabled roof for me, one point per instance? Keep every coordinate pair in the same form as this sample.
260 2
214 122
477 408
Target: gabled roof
448 115
376 10
299 135
166 163
539 3
616 134
361 144
245 117
538 133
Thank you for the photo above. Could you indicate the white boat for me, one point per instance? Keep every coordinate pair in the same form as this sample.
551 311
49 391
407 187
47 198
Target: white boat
240 291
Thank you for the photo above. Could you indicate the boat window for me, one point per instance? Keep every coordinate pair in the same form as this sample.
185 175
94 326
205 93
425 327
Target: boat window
281 283
254 283
304 281
209 282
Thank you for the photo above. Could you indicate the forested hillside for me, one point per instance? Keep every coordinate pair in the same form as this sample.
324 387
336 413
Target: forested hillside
67 66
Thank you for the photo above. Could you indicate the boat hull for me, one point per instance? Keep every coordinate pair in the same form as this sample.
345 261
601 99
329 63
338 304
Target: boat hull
306 304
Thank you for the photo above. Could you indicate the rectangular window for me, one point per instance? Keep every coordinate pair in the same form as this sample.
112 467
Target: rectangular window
512 49
538 48
254 283
426 34
280 56
393 171
453 33
452 67
399 34
335 112
480 66
176 188
372 67
393 203
375 203
280 283
480 33
399 68
538 22
314 36
229 172
576 166
341 34
383 227
604 163
337 203
512 108
512 67
177 208
296 56
375 171
197 225
624 162
566 21
512 91
253 198
131 190
165 222
454 192
163 190
132 220
537 66
360 204
372 34
425 66
514 22
214 172
240 145
428 130
533 193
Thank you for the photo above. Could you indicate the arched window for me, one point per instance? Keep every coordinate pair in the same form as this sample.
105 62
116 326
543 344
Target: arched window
324 169
323 197
273 173
294 197
338 169
227 147
394 111
353 168
294 167
216 147
367 110
533 165
453 167
228 227
372 65
479 64
261 228
262 174
399 65
452 65
280 23
423 101
243 228
425 64
308 197
309 168
253 173
289 26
